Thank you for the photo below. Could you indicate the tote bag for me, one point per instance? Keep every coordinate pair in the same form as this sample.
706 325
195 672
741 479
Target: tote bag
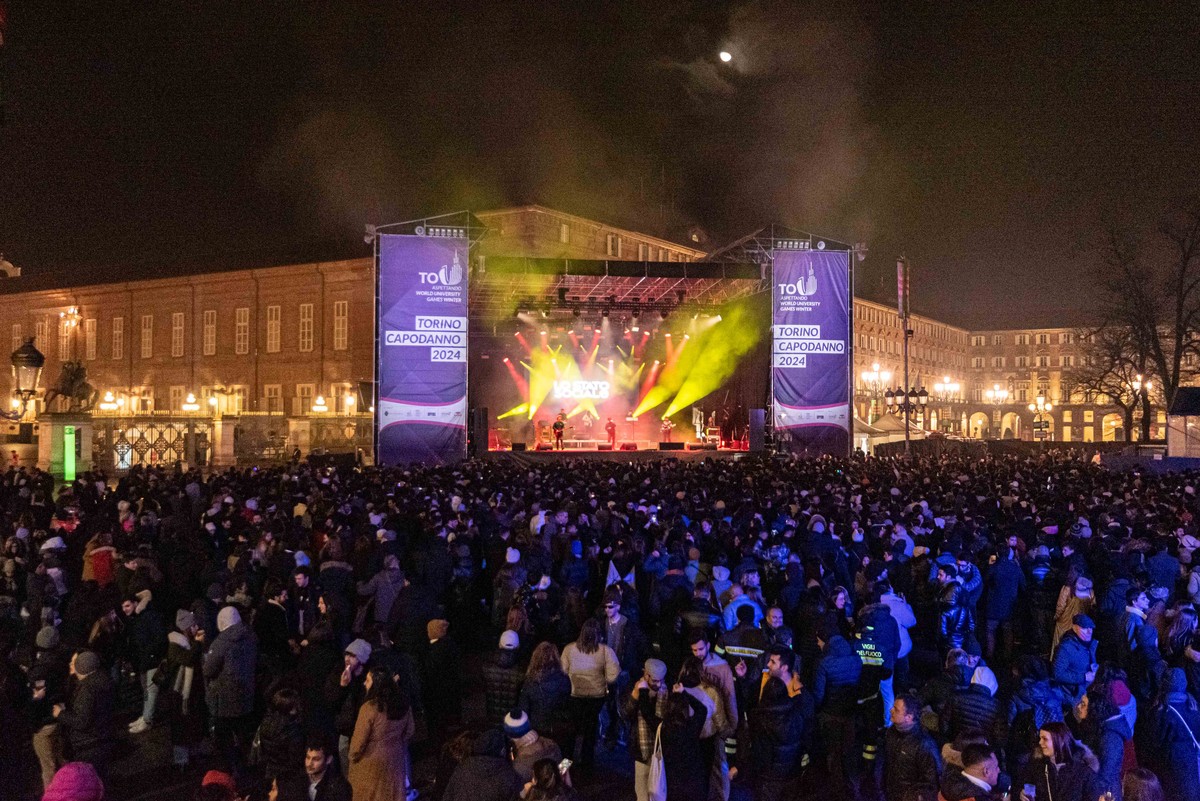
658 771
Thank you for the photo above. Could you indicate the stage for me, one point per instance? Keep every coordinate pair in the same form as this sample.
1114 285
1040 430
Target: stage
649 455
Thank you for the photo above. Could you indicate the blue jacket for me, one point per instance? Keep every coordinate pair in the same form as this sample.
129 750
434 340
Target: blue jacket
1003 584
1072 661
835 687
731 608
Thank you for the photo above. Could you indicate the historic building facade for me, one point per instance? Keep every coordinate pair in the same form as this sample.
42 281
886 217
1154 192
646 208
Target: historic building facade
274 340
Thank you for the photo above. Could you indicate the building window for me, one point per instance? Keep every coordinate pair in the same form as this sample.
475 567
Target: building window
147 336
1021 361
273 318
210 332
1022 394
1089 434
42 333
564 233
977 342
1066 415
977 362
89 338
1043 339
306 327
1043 361
177 396
996 339
1066 361
177 323
118 338
1089 416
273 395
241 331
18 336
997 361
610 244
64 341
341 324
302 403
1066 433
642 251
1066 338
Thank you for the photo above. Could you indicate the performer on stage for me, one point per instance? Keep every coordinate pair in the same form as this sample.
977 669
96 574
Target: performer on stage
560 425
610 428
698 422
665 429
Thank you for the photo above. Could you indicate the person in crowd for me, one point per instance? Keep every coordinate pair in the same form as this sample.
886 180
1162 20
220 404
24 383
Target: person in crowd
1106 731
835 693
528 745
320 780
145 646
441 680
87 716
1172 741
686 765
344 693
229 672
75 781
645 708
1061 767
776 738
978 778
486 774
502 677
591 667
379 745
546 694
1003 587
548 783
718 674
280 736
1075 662
1140 784
912 764
184 645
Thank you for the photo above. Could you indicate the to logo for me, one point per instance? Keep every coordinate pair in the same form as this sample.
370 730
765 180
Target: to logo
804 286
447 275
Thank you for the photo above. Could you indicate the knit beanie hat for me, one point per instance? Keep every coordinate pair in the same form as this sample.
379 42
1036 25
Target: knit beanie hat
75 781
437 629
656 669
512 556
219 778
184 620
87 662
48 638
227 617
510 640
361 649
516 724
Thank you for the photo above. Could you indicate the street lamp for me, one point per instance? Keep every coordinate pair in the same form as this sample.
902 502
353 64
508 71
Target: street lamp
907 403
27 363
1041 422
996 395
1141 391
873 380
189 404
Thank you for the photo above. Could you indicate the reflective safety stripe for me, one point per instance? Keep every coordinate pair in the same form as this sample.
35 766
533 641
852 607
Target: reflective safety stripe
804 761
743 651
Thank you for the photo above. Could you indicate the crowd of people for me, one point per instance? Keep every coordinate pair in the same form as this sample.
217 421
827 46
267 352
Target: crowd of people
768 628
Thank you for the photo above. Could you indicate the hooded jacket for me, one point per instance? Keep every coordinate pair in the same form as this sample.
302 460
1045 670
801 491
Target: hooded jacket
835 686
229 669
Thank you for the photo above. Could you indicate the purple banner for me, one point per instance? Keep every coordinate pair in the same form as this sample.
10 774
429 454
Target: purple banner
810 351
422 352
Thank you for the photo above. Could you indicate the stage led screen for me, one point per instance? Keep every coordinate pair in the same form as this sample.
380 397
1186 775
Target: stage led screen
810 351
421 365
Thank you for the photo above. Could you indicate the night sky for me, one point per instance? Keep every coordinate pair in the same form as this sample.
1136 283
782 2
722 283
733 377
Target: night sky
989 142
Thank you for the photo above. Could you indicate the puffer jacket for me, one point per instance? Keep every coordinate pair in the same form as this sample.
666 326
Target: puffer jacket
1072 661
835 686
776 734
878 640
1171 753
972 708
956 620
912 765
502 679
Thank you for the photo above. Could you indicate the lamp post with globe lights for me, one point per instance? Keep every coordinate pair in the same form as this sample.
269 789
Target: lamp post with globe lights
873 381
997 397
907 403
1141 391
1041 417
947 392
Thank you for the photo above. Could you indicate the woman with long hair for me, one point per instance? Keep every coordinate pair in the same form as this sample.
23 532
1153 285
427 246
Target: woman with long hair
546 694
379 747
1107 732
1142 785
1179 636
592 667
548 783
1173 735
1061 768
